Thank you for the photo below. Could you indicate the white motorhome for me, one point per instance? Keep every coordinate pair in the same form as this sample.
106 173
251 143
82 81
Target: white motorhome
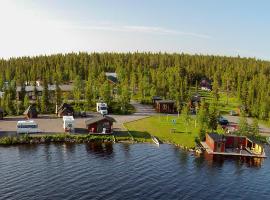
102 108
68 123
29 126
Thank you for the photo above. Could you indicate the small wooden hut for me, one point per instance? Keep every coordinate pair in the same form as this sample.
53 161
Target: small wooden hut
165 106
31 112
100 125
65 110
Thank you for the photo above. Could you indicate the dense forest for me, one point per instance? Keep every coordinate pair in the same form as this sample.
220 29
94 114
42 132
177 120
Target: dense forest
142 75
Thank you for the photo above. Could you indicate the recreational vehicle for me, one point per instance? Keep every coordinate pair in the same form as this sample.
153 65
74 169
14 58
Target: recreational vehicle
29 126
68 123
102 108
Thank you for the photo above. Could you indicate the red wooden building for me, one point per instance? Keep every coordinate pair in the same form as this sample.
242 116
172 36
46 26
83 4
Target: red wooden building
216 142
100 125
165 106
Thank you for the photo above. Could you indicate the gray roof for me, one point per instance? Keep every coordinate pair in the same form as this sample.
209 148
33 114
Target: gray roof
30 88
157 98
97 119
217 137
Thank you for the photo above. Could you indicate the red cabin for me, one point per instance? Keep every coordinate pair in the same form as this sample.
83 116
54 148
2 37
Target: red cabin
100 125
165 106
216 142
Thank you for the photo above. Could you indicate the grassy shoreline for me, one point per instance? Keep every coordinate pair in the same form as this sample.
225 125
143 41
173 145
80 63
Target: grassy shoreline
54 138
168 129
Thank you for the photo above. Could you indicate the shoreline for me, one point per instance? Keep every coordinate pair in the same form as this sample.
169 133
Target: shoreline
74 139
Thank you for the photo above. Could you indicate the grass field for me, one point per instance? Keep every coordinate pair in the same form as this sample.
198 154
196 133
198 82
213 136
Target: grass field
223 107
160 126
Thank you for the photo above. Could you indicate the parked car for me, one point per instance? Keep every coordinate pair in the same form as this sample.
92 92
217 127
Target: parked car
233 113
223 121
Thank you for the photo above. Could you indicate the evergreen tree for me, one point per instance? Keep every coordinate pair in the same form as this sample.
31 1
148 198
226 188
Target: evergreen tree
45 104
105 93
243 126
26 102
213 115
255 128
124 98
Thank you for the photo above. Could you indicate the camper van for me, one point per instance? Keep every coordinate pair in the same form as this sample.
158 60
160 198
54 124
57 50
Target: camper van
29 126
68 123
102 108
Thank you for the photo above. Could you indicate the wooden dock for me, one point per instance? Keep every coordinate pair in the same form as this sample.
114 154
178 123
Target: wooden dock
244 153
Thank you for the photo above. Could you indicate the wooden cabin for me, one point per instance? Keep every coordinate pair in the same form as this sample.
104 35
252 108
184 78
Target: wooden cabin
165 106
100 125
31 112
65 110
216 142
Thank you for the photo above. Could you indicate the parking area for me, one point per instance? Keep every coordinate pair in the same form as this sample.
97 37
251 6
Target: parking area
46 124
53 124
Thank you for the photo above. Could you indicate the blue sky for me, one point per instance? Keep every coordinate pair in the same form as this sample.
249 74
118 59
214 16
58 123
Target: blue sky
224 27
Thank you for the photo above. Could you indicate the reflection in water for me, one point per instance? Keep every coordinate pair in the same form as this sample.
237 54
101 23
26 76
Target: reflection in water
126 149
103 171
100 149
218 160
26 150
199 161
184 156
69 147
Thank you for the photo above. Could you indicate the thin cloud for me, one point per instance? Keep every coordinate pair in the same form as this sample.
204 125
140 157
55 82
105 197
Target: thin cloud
143 29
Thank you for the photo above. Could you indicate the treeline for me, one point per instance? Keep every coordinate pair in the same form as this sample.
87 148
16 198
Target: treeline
143 75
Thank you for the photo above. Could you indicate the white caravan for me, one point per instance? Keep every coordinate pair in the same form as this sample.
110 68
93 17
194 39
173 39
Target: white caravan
102 108
68 123
29 126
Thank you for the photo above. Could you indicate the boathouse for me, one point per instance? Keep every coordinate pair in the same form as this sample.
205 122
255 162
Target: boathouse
232 145
165 106
100 125
31 112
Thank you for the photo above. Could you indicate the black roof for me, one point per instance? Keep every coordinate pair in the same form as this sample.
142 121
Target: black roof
217 137
157 98
97 119
112 79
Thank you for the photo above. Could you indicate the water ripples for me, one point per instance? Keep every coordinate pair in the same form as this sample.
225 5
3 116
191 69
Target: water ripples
121 171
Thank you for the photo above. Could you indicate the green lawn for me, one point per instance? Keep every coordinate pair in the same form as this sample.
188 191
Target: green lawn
160 126
223 107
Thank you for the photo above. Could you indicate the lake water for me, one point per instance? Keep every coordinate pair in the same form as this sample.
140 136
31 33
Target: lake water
127 171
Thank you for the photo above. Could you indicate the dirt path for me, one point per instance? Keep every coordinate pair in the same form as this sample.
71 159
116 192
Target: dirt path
142 109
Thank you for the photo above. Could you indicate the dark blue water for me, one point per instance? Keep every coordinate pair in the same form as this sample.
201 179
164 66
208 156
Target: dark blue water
126 171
